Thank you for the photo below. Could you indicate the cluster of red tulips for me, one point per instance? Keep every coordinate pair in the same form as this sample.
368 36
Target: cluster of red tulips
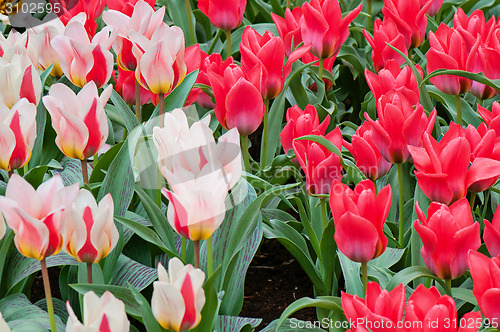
416 89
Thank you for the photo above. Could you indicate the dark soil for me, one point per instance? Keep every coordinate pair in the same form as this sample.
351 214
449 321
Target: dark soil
274 280
37 290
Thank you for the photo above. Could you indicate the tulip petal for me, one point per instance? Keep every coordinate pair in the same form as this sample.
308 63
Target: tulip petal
356 237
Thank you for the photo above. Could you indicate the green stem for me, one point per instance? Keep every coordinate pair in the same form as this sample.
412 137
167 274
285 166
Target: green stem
85 172
228 43
190 21
288 3
321 66
197 254
364 274
210 264
162 109
89 273
324 217
448 284
401 206
369 8
48 295
137 100
183 248
458 102
472 201
479 101
265 136
244 150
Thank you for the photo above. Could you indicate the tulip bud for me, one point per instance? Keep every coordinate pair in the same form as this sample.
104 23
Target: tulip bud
89 230
18 131
485 273
224 14
359 216
106 313
447 233
178 296
79 120
35 216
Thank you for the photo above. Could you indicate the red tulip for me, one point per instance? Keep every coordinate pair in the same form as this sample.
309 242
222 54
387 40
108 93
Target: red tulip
289 28
409 18
224 14
319 164
238 102
434 8
437 312
36 216
491 234
69 9
268 52
143 20
473 27
449 51
359 216
447 234
324 27
491 118
366 153
485 274
380 311
385 32
392 77
125 86
300 123
126 6
399 126
18 132
443 168
213 63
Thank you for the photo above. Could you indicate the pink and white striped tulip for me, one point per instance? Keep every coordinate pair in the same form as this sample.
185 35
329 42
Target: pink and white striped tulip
47 54
89 229
192 148
144 20
160 60
106 313
20 79
81 59
78 119
36 216
18 132
178 296
18 43
3 229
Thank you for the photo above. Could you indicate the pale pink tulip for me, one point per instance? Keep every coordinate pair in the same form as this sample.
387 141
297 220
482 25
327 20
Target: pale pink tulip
79 120
178 296
144 20
47 54
18 43
89 229
36 216
160 60
18 133
106 313
20 80
3 229
81 59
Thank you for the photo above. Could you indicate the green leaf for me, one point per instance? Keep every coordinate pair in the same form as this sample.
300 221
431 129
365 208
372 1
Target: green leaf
468 114
390 257
325 302
292 325
211 307
129 272
464 294
126 113
146 313
410 273
351 271
235 323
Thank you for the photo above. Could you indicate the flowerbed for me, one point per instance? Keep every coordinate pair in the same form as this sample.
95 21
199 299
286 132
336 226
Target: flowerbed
125 135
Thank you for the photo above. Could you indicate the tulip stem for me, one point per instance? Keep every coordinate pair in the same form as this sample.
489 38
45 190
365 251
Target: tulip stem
472 201
190 21
89 273
138 101
162 109
183 248
287 3
48 295
369 8
324 217
197 254
448 285
214 41
321 66
364 275
458 101
265 136
244 150
210 263
85 172
401 206
228 43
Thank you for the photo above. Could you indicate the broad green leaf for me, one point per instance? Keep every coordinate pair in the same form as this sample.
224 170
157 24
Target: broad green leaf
147 315
129 272
126 113
351 271
236 324
411 273
464 294
292 325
